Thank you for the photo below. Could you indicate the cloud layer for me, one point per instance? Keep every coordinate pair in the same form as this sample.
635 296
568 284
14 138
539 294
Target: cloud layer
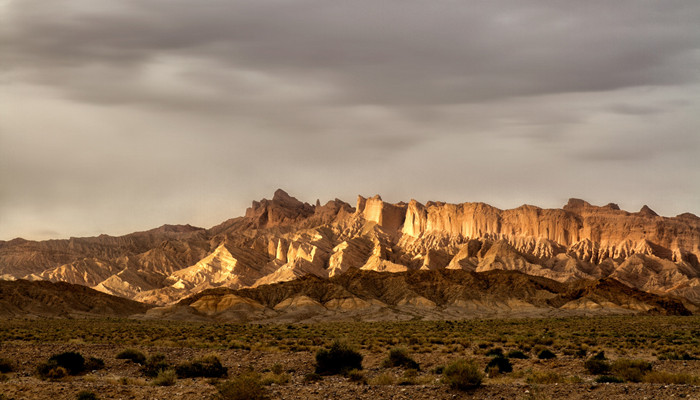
117 116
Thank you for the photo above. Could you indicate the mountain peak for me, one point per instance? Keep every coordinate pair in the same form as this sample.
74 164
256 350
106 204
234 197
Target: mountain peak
281 195
646 211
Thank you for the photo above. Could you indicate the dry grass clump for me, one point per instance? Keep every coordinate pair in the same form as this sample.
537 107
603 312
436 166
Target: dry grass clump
462 375
398 357
669 378
247 386
386 378
207 367
165 377
132 355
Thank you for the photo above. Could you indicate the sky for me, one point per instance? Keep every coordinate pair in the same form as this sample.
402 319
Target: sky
120 116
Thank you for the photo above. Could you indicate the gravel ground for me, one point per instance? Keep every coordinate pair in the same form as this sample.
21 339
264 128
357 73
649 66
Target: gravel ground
109 383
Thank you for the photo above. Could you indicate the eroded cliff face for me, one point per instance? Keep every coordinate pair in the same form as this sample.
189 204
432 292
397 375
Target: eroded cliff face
283 238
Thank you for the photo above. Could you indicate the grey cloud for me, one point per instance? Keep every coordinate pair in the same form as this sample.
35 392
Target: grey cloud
128 114
386 53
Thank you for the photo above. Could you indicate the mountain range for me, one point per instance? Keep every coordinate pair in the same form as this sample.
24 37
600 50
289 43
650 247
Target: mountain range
585 248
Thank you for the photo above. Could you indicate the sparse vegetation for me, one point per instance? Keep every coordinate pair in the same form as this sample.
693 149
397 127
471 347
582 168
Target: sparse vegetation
597 365
608 379
630 370
270 348
356 375
669 378
70 360
386 378
6 366
207 367
546 354
499 365
398 357
154 364
87 395
337 359
462 375
94 364
165 377
61 365
672 355
247 386
132 355
312 377
517 354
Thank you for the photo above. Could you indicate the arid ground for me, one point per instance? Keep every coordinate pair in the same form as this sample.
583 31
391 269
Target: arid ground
282 358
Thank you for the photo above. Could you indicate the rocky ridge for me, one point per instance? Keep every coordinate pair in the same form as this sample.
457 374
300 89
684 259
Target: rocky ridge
282 239
411 295
26 299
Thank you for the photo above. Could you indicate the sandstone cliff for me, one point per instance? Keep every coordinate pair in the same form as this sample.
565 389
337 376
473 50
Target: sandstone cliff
283 239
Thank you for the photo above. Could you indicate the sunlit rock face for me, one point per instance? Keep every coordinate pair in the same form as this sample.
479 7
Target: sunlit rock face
283 239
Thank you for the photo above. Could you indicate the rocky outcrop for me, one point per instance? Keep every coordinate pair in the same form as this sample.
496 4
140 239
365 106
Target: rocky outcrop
440 294
283 239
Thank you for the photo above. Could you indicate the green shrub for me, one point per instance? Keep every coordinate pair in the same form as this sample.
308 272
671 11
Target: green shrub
501 363
154 364
597 366
630 370
6 366
132 355
165 377
462 375
338 359
207 367
87 395
61 365
398 357
246 386
546 354
517 354
94 364
70 360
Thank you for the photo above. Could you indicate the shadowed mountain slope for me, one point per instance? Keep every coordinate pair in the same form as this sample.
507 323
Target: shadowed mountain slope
443 294
23 298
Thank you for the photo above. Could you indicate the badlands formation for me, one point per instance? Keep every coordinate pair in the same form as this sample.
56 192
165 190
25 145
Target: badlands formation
283 239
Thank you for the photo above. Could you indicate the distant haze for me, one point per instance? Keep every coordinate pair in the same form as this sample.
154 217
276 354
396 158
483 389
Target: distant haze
118 116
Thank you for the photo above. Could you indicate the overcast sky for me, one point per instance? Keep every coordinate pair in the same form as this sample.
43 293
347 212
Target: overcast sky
117 116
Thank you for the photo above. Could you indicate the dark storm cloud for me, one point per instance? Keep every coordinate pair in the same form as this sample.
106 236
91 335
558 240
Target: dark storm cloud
370 52
183 110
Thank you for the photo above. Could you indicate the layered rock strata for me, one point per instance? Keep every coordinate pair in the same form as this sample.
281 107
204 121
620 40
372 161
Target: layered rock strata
283 239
